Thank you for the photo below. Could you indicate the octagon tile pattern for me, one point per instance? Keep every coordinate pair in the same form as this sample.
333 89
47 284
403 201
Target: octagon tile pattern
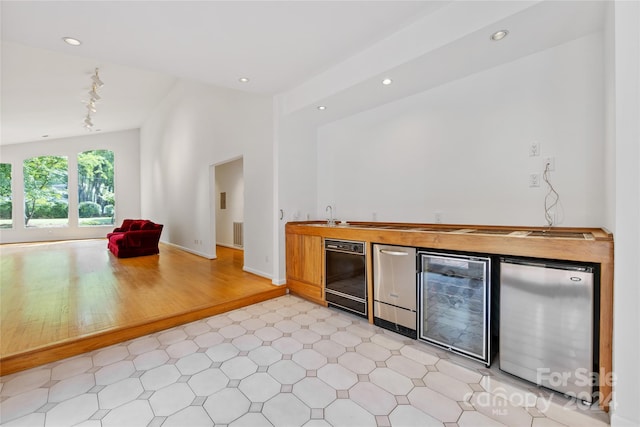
282 362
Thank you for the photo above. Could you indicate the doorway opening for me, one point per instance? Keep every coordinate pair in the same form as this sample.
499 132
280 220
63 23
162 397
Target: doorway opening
229 204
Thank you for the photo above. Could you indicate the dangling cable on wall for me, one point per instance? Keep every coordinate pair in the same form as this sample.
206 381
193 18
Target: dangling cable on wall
551 199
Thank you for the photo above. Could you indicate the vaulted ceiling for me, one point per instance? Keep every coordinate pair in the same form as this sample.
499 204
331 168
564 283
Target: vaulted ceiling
142 47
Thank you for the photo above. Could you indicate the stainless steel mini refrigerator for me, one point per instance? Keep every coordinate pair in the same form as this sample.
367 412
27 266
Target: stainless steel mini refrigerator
548 331
455 303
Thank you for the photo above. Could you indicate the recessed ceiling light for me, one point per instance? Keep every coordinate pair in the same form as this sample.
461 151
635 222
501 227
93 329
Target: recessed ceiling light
243 80
321 107
387 82
71 41
499 35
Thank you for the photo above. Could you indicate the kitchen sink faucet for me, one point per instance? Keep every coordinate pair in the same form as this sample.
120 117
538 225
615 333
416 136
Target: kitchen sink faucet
330 220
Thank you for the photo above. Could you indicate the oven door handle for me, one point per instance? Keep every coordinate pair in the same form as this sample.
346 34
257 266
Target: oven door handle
395 253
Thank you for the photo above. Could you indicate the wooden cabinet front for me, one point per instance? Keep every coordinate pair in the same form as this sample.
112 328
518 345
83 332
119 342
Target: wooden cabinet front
305 266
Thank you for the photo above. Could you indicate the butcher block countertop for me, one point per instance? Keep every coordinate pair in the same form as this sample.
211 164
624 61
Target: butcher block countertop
590 245
574 244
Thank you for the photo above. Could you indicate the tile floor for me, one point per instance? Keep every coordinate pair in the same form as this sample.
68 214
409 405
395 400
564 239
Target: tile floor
283 362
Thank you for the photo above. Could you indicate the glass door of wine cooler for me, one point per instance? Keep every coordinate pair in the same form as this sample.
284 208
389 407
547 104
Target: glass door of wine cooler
454 297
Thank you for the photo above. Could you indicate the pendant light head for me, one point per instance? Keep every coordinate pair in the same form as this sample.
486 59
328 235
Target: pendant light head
91 106
93 93
96 79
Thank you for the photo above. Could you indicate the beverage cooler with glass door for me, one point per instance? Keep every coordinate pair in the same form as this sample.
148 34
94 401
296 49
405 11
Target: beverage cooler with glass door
455 297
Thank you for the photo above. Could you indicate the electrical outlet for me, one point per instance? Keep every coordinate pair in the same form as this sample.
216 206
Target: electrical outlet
438 217
534 180
374 216
551 161
534 149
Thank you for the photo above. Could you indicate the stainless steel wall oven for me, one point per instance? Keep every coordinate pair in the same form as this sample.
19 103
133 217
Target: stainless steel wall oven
346 275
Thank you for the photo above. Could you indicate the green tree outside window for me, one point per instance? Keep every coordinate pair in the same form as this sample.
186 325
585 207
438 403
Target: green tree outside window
6 201
96 198
46 191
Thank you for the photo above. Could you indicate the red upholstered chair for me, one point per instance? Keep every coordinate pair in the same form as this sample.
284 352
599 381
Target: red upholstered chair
135 237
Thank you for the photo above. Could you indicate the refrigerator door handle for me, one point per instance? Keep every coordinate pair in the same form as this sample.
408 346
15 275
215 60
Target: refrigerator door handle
394 253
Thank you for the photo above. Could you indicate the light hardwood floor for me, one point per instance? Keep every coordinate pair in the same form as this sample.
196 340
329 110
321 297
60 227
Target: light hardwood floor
64 298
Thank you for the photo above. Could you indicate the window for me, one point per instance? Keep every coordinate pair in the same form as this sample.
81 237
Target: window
46 197
6 202
96 199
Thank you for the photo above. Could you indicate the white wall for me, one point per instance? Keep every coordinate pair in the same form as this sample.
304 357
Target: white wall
295 180
609 116
228 179
197 126
125 146
462 148
626 334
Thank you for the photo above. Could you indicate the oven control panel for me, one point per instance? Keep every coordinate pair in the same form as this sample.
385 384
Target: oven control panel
345 246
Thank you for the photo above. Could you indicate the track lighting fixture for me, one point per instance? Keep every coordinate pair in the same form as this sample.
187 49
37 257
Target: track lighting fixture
94 97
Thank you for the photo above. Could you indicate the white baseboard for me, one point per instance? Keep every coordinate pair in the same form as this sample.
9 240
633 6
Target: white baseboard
230 246
210 256
618 421
183 248
256 272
